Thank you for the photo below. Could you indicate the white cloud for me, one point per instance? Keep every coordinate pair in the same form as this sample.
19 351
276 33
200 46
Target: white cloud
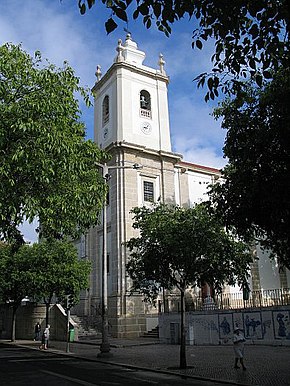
58 31
195 133
196 152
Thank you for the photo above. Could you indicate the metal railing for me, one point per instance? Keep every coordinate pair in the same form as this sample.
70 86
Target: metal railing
257 299
229 301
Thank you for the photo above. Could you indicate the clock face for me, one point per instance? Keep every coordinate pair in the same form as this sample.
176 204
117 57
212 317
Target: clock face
146 127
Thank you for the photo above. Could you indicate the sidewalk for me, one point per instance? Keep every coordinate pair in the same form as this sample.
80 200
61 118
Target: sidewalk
266 365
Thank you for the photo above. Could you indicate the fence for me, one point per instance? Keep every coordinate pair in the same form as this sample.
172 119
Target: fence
228 301
256 299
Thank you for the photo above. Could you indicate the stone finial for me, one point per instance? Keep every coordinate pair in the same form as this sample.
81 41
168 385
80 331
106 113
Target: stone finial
161 63
119 50
98 73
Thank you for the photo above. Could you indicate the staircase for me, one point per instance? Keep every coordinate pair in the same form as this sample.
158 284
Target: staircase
153 334
85 332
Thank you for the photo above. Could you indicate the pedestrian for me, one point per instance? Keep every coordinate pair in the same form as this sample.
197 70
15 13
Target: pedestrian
45 338
37 330
239 343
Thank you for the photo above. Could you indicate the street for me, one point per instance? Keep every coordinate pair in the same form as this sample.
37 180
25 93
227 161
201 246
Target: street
21 366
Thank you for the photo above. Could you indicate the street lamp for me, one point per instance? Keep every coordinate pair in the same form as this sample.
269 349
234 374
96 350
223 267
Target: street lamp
105 345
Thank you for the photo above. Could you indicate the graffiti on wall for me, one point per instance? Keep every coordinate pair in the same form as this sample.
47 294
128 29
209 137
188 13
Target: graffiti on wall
281 321
266 326
253 325
225 325
209 325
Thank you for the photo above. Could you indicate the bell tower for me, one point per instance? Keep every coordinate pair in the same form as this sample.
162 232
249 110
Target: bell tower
131 101
131 122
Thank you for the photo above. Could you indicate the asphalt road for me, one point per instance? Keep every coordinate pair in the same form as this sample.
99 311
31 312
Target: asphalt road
21 366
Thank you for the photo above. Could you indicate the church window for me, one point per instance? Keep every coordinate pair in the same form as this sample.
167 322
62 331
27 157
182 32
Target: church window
108 263
148 191
145 104
106 110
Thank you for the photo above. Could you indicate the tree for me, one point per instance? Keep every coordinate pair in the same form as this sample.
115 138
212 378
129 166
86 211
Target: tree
254 194
17 278
251 37
41 271
182 248
60 272
47 168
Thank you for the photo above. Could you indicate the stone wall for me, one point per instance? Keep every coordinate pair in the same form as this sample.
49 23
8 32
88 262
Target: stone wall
26 318
261 326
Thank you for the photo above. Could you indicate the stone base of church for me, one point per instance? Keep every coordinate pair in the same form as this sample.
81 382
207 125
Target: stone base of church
128 316
128 327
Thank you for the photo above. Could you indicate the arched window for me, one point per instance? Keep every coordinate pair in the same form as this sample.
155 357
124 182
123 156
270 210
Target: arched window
145 104
106 110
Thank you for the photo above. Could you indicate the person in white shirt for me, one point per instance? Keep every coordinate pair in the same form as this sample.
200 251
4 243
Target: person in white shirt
239 343
45 338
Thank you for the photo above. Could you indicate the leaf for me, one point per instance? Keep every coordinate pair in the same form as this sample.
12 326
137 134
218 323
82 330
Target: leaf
90 3
252 63
136 14
254 31
210 83
198 44
110 25
259 80
148 23
230 38
83 9
122 5
157 9
143 9
267 74
121 14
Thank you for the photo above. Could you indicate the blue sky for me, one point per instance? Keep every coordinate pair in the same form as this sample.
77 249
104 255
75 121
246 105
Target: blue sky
57 29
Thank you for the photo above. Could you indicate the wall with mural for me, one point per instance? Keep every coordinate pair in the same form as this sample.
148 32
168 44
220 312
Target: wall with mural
263 326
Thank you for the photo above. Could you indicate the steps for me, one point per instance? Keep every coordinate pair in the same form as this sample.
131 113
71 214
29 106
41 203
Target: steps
153 334
85 332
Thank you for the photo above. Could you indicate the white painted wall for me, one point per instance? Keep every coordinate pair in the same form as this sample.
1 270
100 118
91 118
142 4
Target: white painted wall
127 78
197 185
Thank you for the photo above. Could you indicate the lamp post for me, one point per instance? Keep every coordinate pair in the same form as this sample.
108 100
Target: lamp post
105 345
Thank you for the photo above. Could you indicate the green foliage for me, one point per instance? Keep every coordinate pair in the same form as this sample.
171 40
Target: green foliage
17 276
47 168
251 37
60 271
41 271
254 196
183 247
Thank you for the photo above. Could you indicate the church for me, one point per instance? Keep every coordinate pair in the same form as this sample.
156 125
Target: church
131 122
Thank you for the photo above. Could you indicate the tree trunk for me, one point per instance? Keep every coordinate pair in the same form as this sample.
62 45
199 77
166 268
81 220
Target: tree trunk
182 332
164 300
13 326
46 313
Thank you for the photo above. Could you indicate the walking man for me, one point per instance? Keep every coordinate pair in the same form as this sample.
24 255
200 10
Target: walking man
239 343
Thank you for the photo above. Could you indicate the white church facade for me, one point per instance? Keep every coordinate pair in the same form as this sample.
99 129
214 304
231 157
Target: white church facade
131 122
